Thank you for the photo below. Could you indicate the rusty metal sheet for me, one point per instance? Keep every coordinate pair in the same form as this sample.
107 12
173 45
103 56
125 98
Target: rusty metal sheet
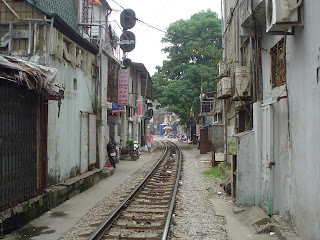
232 145
18 144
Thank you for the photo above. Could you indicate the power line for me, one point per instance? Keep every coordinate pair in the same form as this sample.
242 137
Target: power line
158 29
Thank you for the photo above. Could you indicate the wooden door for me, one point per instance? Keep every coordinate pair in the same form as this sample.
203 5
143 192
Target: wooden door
205 144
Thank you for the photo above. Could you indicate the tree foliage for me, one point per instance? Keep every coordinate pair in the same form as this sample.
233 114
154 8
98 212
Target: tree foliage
194 46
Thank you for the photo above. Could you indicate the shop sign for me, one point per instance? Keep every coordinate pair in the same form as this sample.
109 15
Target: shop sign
139 108
123 86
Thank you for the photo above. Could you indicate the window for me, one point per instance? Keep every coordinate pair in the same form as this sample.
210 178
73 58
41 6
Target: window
278 64
75 84
216 118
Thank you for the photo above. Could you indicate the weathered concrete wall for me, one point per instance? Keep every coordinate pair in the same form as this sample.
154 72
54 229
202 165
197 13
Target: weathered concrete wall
280 131
297 179
304 110
17 216
245 171
64 131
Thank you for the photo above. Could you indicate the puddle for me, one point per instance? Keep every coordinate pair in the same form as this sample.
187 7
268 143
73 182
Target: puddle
30 231
58 214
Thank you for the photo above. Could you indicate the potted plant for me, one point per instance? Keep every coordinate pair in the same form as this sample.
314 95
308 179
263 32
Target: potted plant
130 145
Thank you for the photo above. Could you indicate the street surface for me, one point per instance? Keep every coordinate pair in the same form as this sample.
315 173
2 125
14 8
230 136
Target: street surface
203 210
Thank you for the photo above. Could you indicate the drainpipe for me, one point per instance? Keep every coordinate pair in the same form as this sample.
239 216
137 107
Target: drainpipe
49 44
80 141
88 140
253 69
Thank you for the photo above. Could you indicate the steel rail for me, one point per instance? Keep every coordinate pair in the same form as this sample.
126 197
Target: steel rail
99 232
173 199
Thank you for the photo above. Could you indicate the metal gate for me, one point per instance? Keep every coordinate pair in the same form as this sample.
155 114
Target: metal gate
22 149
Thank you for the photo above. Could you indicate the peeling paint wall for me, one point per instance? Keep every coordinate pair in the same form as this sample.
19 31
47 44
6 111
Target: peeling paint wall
296 173
295 178
304 110
64 131
43 44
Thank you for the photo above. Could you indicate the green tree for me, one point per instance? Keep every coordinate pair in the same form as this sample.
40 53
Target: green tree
194 45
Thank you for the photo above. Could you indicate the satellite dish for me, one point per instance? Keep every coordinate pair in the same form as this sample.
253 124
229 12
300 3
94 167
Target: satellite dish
127 41
126 62
127 19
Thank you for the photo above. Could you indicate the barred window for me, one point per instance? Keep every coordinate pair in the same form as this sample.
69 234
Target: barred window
278 64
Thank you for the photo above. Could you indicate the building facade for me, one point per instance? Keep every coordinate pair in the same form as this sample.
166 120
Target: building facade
273 48
73 49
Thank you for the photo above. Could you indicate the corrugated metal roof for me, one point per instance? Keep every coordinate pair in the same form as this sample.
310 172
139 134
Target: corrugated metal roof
65 9
139 67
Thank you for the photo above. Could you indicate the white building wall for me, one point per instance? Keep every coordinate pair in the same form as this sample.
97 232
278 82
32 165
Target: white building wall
64 132
296 132
304 95
297 178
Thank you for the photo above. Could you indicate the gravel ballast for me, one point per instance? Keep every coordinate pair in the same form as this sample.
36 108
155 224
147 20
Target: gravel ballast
194 216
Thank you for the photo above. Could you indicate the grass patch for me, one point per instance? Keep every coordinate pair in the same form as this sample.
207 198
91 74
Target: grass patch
215 172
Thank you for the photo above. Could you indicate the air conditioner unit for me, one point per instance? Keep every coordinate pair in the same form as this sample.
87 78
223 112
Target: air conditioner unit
282 15
224 88
223 69
242 87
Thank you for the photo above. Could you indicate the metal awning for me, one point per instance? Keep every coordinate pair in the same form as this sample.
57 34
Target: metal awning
33 76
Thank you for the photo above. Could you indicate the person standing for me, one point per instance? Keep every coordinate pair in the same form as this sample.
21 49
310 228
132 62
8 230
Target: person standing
149 141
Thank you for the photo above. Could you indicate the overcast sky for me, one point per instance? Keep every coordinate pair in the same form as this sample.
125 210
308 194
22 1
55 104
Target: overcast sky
160 14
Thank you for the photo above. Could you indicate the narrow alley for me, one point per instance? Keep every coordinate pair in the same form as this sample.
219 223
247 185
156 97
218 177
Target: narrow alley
159 119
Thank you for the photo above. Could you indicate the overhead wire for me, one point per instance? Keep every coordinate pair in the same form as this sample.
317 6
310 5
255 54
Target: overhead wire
231 17
158 29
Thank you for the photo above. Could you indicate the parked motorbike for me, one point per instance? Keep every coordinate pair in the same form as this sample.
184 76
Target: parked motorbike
112 153
136 150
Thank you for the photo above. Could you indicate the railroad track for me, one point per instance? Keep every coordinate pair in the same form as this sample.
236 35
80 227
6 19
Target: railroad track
145 214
